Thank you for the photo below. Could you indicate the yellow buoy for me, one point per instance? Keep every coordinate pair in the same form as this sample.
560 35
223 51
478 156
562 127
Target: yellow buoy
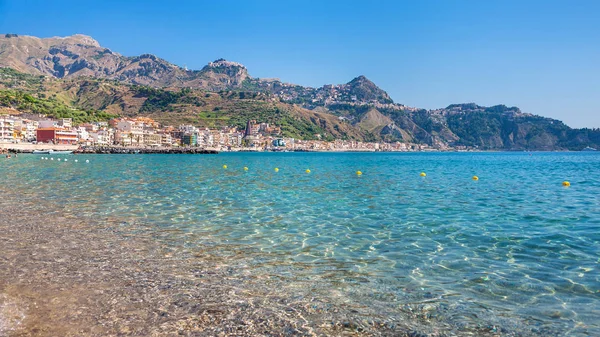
566 183
358 173
423 174
245 168
475 178
224 166
276 169
307 171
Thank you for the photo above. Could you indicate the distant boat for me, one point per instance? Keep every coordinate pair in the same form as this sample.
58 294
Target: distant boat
589 149
51 152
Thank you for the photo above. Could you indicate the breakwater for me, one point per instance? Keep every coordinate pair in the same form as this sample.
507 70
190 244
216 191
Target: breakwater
127 150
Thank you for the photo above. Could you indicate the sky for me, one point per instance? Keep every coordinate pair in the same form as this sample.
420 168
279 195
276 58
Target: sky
542 56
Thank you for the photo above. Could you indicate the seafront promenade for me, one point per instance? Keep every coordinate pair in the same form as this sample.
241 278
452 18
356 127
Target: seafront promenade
29 147
145 150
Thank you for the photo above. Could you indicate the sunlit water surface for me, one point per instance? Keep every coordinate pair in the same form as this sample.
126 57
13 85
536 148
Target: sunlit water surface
514 246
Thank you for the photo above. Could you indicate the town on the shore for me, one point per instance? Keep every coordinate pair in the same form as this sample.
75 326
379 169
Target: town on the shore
143 132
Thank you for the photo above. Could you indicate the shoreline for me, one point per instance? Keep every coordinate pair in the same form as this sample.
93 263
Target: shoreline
77 149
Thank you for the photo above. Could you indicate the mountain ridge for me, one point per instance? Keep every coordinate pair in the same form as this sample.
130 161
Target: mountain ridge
80 73
81 55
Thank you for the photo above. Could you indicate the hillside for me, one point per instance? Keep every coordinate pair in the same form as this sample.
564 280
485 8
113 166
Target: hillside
88 99
501 127
76 76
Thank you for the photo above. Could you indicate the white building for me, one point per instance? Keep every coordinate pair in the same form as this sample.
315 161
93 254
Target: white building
102 137
29 130
66 123
188 129
130 127
129 133
7 129
82 133
205 138
47 124
166 139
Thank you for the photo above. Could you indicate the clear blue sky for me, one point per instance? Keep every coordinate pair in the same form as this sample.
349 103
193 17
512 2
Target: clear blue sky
542 56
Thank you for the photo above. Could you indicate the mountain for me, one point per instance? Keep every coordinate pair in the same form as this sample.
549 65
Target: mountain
75 76
81 55
363 90
90 99
502 127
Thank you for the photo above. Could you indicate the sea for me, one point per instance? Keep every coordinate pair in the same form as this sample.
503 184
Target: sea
306 242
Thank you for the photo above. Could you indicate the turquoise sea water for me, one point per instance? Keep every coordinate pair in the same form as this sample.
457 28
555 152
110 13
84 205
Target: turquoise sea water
514 249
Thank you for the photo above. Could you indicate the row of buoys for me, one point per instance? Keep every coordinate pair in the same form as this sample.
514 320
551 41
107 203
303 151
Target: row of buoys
277 169
66 159
422 174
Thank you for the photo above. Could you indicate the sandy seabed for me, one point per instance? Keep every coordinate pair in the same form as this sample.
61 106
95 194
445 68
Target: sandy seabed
62 276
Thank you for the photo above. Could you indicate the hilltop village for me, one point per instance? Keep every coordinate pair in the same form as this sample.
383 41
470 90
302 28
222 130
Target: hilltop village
143 132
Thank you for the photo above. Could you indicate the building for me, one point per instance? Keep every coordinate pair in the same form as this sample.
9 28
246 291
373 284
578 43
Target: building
29 130
129 132
56 136
66 123
102 137
205 138
166 139
82 133
49 123
190 139
7 129
278 142
46 135
152 139
252 128
89 127
132 127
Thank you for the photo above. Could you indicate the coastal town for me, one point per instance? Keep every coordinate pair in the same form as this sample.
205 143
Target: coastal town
28 131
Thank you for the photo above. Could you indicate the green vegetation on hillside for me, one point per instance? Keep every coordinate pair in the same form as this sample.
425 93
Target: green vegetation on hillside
50 107
13 75
495 128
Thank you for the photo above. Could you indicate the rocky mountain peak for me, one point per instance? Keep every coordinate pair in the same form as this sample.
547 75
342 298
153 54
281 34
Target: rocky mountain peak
80 39
224 63
360 79
367 91
223 74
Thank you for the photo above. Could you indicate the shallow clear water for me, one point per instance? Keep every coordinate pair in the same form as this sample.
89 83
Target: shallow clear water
513 246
